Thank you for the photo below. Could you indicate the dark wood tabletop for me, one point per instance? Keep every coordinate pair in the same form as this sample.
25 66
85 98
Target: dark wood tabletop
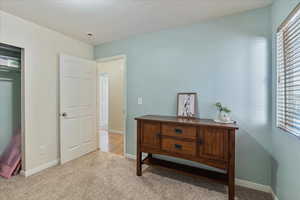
191 121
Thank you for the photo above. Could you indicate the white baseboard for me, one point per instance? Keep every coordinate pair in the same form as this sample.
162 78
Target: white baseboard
274 195
130 156
116 131
133 157
39 168
252 185
239 182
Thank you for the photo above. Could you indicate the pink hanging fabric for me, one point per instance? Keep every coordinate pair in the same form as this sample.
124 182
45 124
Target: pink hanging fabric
11 157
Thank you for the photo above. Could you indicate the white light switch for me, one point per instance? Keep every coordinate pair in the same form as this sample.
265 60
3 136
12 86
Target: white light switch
140 100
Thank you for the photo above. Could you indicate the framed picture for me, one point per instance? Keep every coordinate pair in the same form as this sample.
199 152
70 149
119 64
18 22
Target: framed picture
186 105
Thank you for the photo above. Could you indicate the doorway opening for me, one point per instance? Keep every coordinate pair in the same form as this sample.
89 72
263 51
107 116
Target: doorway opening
104 100
11 111
112 104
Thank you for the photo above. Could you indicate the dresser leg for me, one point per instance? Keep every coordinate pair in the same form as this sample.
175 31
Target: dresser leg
231 189
139 164
138 150
231 166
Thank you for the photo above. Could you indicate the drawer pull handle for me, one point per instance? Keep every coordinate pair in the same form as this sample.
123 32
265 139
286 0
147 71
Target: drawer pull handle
158 134
178 146
178 131
200 141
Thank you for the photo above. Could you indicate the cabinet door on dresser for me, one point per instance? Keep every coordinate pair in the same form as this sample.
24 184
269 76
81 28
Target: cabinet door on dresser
213 143
150 134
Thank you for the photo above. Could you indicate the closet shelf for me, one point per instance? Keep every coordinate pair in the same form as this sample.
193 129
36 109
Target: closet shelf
4 68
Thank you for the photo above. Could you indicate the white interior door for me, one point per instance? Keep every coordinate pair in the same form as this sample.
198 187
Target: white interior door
78 127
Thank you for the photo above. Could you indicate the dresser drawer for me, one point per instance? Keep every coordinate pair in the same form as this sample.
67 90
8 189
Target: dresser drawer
178 146
179 131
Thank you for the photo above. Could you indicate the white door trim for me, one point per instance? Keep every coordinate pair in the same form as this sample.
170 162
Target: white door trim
106 59
118 57
24 108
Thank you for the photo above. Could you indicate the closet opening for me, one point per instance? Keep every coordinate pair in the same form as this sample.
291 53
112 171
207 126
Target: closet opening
11 134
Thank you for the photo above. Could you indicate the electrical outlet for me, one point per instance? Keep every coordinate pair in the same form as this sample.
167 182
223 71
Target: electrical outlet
140 100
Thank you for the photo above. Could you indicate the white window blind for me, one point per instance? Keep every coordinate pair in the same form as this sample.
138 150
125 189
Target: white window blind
288 74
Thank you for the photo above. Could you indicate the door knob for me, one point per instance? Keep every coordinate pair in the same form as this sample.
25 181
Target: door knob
64 114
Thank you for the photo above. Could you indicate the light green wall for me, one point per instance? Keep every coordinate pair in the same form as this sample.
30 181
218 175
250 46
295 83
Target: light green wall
286 148
226 59
10 107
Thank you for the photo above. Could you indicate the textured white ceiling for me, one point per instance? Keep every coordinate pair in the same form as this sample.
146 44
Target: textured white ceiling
117 19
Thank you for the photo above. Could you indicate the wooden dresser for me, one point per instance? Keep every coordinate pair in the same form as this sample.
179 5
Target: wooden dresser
199 140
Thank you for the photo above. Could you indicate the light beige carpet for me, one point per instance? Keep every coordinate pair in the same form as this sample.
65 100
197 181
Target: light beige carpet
105 176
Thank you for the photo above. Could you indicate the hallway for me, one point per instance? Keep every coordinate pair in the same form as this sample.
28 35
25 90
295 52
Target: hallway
111 142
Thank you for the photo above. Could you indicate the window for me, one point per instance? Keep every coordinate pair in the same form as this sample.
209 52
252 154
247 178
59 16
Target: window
288 74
